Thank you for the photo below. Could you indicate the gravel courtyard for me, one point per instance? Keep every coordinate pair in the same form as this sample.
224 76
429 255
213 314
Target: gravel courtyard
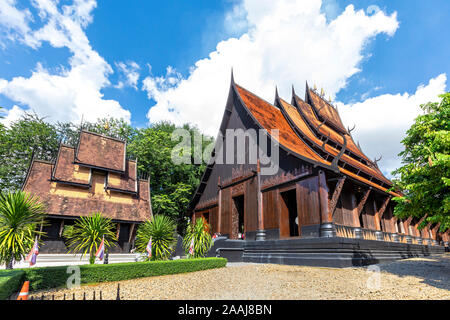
417 278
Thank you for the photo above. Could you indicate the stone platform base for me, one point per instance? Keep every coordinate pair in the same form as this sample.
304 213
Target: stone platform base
322 252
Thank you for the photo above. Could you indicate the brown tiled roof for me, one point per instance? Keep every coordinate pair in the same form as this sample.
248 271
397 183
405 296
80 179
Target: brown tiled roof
66 171
270 117
99 151
307 111
297 119
126 181
67 200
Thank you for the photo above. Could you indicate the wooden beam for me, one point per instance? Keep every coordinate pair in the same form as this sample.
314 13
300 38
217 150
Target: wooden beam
336 195
363 201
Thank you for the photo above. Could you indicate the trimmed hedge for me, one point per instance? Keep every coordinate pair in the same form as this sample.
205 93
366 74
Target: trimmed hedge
10 281
55 277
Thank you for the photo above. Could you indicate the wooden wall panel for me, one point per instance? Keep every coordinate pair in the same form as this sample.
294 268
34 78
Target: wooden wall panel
213 219
308 207
270 210
347 208
283 217
226 212
368 214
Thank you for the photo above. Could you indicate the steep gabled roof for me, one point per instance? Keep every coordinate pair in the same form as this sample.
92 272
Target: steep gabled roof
271 118
285 118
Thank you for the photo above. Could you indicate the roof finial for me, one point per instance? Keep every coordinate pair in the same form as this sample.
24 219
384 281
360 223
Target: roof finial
232 75
293 90
315 87
276 92
322 93
329 99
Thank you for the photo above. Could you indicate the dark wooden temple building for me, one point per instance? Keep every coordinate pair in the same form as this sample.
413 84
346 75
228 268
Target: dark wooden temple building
93 176
325 186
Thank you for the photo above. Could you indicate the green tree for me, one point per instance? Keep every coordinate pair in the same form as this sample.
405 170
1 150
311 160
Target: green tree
172 185
20 214
425 174
27 135
87 233
199 231
162 231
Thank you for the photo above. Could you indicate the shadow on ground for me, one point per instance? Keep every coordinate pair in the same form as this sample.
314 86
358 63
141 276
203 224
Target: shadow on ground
433 270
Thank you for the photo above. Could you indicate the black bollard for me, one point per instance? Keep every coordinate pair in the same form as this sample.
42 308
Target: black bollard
73 296
93 298
118 292
84 295
64 297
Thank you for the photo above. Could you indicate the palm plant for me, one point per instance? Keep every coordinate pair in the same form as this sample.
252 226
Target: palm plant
87 233
199 231
20 214
162 231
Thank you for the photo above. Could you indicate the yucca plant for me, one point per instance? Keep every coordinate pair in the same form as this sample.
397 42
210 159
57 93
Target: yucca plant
20 215
199 231
87 233
162 230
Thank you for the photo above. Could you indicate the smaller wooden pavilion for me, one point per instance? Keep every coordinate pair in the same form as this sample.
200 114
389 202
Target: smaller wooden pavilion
93 176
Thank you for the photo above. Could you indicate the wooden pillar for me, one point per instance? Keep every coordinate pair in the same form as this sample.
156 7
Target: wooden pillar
327 228
61 227
260 234
118 231
219 207
131 232
355 213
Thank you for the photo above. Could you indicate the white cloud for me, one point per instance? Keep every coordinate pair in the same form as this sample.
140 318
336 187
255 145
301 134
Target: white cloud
11 115
130 74
287 43
70 93
382 121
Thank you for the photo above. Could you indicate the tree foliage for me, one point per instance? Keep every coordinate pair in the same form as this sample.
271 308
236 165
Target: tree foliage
87 233
199 231
162 231
425 174
20 214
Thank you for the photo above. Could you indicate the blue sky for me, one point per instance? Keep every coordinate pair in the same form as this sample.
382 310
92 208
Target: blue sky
69 59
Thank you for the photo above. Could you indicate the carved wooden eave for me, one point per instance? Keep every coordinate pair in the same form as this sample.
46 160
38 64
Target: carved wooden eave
363 201
336 195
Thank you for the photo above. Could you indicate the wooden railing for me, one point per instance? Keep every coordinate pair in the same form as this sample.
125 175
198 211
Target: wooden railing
345 231
368 234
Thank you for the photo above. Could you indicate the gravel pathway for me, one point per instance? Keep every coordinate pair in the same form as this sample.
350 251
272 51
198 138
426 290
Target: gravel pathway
417 278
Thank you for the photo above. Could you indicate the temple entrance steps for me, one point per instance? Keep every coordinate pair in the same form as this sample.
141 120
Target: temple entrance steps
56 259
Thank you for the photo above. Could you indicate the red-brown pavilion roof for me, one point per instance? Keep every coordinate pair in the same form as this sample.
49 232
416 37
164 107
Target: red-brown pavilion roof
99 151
66 171
72 201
